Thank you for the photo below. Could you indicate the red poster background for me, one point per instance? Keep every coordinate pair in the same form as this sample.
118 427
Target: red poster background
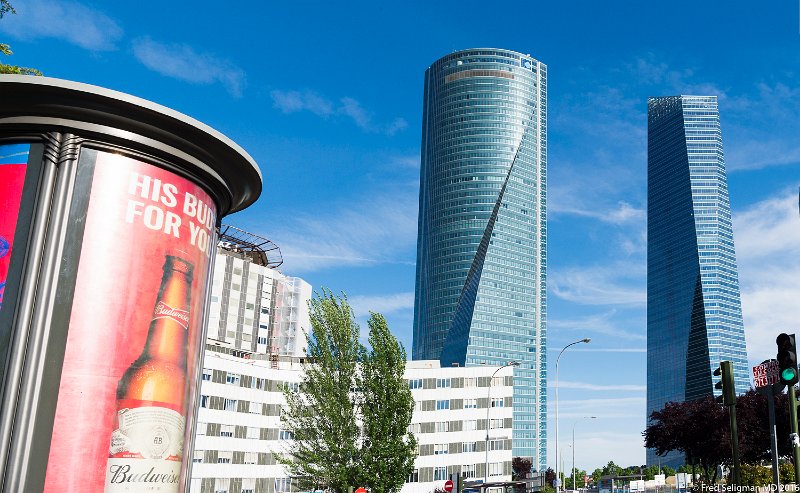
12 178
119 274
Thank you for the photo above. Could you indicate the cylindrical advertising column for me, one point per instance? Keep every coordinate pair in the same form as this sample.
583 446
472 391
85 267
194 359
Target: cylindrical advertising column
109 208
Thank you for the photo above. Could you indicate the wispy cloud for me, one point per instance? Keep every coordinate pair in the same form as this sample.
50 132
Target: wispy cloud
384 304
601 406
617 284
411 162
623 213
767 236
600 323
650 72
759 154
296 101
601 388
182 62
610 350
72 22
378 229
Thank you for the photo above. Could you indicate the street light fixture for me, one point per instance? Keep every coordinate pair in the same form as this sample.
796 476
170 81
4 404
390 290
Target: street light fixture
586 340
573 448
489 406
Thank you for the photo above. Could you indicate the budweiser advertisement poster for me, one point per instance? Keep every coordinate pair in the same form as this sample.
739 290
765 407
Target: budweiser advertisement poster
124 401
13 163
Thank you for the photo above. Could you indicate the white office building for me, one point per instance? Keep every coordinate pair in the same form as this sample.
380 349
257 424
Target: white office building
255 309
452 408
239 430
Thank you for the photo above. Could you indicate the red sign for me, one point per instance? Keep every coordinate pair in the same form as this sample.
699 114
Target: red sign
361 490
766 374
126 390
448 486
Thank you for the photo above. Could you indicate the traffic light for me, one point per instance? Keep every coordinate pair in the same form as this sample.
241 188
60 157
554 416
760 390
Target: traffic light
787 359
726 384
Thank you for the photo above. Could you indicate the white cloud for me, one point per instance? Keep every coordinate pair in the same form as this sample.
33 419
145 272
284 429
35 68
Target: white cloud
411 162
294 101
611 350
350 108
353 109
613 284
601 388
380 228
623 213
73 22
600 323
762 153
397 125
615 403
680 81
605 408
182 62
767 237
385 304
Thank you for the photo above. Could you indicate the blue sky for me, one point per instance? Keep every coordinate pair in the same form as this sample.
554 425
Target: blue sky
326 96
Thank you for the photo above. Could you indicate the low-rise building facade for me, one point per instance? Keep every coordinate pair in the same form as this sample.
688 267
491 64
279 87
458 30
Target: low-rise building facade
239 430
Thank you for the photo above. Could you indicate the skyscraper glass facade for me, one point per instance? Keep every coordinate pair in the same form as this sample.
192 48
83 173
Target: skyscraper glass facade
694 313
481 254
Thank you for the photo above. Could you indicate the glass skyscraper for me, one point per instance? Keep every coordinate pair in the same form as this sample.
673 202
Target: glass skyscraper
481 253
694 313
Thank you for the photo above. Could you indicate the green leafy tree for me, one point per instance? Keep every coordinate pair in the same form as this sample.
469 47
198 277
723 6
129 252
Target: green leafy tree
577 480
7 8
322 415
388 450
350 417
611 469
650 472
758 475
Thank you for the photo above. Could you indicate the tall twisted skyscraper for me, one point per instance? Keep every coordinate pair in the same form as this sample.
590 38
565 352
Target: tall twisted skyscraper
481 253
694 312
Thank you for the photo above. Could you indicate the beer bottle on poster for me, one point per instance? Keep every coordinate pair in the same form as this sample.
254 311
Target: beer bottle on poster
147 444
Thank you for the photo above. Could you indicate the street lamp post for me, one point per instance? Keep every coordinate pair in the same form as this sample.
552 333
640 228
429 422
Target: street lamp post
573 448
586 340
489 406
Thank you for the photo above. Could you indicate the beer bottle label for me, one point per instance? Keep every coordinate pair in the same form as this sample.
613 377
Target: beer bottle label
146 448
163 310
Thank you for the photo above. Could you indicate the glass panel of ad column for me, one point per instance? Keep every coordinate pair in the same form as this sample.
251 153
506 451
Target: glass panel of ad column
133 345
